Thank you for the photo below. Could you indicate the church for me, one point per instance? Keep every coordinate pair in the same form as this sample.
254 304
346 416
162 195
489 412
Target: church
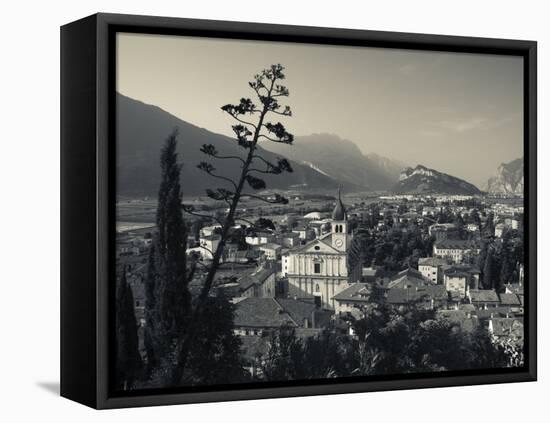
326 265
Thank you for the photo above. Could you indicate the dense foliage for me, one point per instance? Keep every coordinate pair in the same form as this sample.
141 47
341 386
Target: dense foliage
128 359
386 341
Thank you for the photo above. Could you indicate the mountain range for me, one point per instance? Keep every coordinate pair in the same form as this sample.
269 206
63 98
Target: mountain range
508 178
427 181
321 163
341 159
141 131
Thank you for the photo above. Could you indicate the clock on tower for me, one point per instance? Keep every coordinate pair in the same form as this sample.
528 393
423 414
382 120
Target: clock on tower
339 225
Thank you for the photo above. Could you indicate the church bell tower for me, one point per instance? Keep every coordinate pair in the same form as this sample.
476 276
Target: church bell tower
339 225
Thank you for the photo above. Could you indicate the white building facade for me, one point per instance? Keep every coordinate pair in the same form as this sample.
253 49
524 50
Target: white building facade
324 266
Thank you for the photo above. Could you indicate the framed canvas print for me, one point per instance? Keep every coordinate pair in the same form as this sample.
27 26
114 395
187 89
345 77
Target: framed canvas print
255 211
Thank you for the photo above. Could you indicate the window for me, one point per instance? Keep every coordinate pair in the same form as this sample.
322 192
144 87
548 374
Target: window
316 267
317 247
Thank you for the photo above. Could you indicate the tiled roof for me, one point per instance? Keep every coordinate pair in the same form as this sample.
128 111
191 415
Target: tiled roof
261 313
461 270
258 276
483 295
431 261
356 292
514 287
509 299
494 312
427 293
272 313
456 244
466 307
297 309
270 245
409 278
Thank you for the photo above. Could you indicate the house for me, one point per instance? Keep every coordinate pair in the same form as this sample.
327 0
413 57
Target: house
351 298
511 300
258 238
483 298
290 239
271 250
409 278
432 268
370 274
210 230
513 288
513 223
254 316
285 257
459 279
241 256
306 314
318 227
430 296
456 283
260 283
455 249
441 231
208 245
257 316
304 233
127 248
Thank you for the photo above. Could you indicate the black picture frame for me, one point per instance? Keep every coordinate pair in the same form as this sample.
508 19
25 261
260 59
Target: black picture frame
87 205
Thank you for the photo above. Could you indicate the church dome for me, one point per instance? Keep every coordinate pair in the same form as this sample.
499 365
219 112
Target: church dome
339 212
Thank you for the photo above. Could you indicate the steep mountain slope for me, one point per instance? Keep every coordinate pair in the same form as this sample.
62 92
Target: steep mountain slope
424 180
341 158
508 179
141 131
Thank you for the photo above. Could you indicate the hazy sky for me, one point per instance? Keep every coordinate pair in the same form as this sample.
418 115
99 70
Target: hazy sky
457 113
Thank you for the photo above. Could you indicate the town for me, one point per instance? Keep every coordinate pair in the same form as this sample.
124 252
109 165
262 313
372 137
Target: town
323 261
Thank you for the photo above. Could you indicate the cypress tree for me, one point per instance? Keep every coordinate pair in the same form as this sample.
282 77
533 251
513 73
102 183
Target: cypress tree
172 242
128 359
151 333
490 226
488 270
507 260
167 295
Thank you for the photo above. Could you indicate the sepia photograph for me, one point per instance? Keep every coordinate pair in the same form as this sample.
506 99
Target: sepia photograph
309 212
